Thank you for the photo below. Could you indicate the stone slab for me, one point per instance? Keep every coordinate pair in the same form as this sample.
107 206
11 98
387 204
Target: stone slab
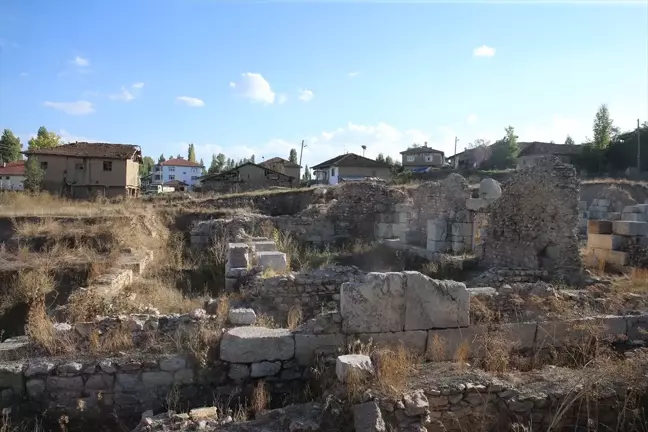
368 418
352 363
437 230
605 241
272 260
241 316
264 246
599 227
308 346
375 305
637 217
630 228
431 303
255 344
616 259
414 341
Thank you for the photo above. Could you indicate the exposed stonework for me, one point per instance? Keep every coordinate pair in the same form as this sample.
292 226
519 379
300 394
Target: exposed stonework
533 225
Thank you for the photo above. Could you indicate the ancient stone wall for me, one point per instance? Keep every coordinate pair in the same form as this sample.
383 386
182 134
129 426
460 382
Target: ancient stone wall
534 223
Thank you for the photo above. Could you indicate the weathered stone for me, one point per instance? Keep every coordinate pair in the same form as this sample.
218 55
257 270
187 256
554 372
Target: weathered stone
198 314
443 345
173 363
413 341
416 403
157 379
237 255
127 382
605 241
65 384
375 305
629 228
35 388
107 366
264 246
263 369
433 303
203 413
254 344
99 382
40 367
599 227
307 346
11 376
489 189
241 316
238 371
272 260
367 418
437 230
183 377
352 363
70 368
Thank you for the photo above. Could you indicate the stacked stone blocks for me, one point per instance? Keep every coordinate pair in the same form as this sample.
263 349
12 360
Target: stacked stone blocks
608 242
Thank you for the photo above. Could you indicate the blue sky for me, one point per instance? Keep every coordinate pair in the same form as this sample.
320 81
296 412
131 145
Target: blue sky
246 77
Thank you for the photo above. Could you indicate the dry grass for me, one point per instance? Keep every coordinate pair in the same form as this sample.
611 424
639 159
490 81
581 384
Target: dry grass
262 192
294 317
462 353
495 351
437 349
44 204
392 367
40 329
266 321
260 398
118 339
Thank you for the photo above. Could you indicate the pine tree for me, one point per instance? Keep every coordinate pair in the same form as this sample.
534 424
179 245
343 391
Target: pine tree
603 128
389 161
251 159
44 139
191 156
380 158
569 140
214 167
293 156
10 147
161 158
33 175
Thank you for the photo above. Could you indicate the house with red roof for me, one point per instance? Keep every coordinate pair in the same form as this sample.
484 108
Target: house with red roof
12 175
178 170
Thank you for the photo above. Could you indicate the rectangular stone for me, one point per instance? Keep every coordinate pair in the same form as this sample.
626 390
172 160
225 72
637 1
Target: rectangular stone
402 208
237 255
264 246
413 341
308 346
431 303
448 344
599 227
272 260
437 230
605 241
437 246
630 228
603 202
582 205
384 230
374 306
593 257
520 335
637 217
252 344
461 229
402 217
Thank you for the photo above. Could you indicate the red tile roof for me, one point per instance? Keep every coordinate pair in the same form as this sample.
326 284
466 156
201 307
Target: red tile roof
180 162
13 168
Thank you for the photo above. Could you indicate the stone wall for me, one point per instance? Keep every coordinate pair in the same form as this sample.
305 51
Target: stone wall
616 245
533 225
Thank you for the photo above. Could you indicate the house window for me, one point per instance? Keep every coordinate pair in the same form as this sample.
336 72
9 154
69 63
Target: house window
184 172
171 169
157 177
411 158
428 158
332 172
7 178
194 177
171 177
78 166
107 165
43 165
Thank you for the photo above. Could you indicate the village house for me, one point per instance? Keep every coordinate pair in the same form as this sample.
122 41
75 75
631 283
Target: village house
12 175
349 167
422 158
246 177
532 152
470 158
86 170
177 170
283 166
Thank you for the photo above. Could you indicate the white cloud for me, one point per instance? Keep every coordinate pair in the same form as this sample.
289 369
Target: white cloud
81 62
80 107
472 118
254 87
190 101
484 51
353 74
68 137
24 74
138 85
124 95
281 99
306 95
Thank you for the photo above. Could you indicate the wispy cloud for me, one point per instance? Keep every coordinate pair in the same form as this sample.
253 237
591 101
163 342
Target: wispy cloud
138 85
281 99
191 101
23 74
484 51
81 62
124 95
80 107
353 74
306 95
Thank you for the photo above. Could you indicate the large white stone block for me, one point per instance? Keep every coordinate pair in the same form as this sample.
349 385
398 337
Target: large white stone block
630 228
272 260
238 255
605 241
437 230
264 246
241 316
489 189
255 344
375 305
353 363
431 303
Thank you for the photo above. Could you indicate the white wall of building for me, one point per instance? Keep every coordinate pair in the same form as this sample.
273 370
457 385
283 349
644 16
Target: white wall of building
163 174
12 182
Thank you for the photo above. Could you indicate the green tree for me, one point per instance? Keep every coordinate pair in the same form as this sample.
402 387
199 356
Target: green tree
161 158
293 156
44 139
191 156
569 140
307 174
504 151
380 158
33 175
603 128
147 165
10 147
251 159
389 161
202 164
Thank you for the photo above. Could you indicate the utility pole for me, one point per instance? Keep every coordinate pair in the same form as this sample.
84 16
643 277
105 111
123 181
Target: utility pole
301 152
638 147
455 153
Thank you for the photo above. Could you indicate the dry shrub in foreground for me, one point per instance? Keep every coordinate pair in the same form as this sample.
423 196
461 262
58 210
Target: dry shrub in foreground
30 285
40 329
115 340
437 350
260 398
294 317
494 352
392 367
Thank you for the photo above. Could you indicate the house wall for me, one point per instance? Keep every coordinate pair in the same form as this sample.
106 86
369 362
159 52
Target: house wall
293 172
250 177
12 182
532 160
185 174
382 173
420 160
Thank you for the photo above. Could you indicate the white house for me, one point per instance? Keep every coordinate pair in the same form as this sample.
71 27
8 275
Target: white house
177 170
12 175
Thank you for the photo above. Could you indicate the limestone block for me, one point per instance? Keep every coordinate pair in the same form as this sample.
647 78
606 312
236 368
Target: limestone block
157 379
263 369
307 346
272 260
375 305
458 245
594 256
403 217
352 363
599 227
384 230
477 204
582 205
489 189
65 384
239 371
238 255
241 316
603 202
641 208
432 303
461 229
637 217
438 246
368 418
416 403
255 344
172 363
39 367
264 246
414 341
444 345
630 228
100 382
519 335
631 209
605 241
437 230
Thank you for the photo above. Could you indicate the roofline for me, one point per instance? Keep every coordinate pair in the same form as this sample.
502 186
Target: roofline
243 164
418 149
